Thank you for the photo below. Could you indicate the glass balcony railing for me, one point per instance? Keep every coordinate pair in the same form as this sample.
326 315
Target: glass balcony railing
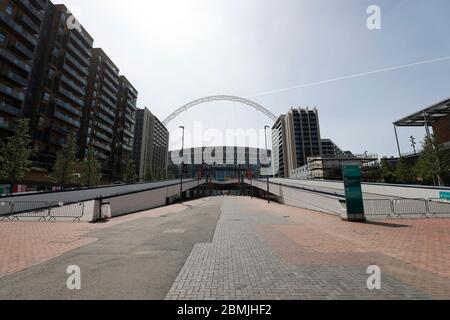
67 119
78 53
5 18
7 125
68 107
12 92
5 107
70 96
21 81
37 13
104 128
73 85
73 61
85 49
14 60
74 74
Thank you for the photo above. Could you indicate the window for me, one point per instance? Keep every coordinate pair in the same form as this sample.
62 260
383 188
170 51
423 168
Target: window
10 9
2 37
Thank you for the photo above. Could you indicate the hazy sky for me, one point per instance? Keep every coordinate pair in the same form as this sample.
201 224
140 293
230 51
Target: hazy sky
177 51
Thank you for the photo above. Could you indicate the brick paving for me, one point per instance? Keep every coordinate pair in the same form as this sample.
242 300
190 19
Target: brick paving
24 244
279 252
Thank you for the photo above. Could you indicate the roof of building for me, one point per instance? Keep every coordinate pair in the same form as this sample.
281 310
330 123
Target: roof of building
426 116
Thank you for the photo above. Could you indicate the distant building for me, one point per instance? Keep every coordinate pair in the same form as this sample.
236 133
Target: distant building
296 137
151 145
99 116
124 127
229 162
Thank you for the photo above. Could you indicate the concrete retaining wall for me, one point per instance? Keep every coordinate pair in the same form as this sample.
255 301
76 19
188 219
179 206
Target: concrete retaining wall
302 198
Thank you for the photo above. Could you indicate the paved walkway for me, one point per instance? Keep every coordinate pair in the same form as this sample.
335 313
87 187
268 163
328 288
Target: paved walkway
226 248
278 252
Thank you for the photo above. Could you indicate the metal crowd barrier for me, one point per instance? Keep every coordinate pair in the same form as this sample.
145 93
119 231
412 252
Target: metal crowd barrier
399 208
41 210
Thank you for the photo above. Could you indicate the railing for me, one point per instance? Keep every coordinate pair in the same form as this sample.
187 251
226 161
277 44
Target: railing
399 208
41 210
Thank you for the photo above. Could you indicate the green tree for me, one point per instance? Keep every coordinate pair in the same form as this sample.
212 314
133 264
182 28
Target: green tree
149 174
130 173
405 173
64 169
15 154
387 175
90 169
433 162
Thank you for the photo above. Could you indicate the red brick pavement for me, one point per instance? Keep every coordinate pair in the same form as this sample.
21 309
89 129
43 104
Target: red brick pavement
416 252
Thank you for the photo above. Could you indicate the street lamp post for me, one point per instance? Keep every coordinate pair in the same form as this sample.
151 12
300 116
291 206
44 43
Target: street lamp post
268 186
182 165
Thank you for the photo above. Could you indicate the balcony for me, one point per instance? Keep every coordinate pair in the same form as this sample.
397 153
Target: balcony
17 62
78 53
86 50
67 119
27 53
107 110
21 81
37 13
111 104
103 137
127 148
73 85
5 18
102 146
73 61
7 108
128 133
111 76
103 127
129 118
74 74
110 94
12 92
7 125
68 107
110 84
71 97
30 23
105 119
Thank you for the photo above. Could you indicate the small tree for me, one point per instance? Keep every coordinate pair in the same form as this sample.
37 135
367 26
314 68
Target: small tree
130 174
387 174
90 169
64 169
405 173
15 154
149 174
433 163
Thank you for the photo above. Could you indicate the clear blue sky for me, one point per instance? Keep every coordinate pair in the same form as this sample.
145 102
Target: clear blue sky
177 51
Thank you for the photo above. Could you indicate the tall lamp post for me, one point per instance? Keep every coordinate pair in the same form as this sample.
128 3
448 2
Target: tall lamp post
268 186
182 165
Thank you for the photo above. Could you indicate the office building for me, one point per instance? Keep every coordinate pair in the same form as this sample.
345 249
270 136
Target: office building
151 145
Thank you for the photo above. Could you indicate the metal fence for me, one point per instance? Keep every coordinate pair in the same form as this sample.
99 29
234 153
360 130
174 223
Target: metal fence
399 208
40 210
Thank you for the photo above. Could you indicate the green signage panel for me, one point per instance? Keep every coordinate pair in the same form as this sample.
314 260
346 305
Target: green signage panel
444 195
353 190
